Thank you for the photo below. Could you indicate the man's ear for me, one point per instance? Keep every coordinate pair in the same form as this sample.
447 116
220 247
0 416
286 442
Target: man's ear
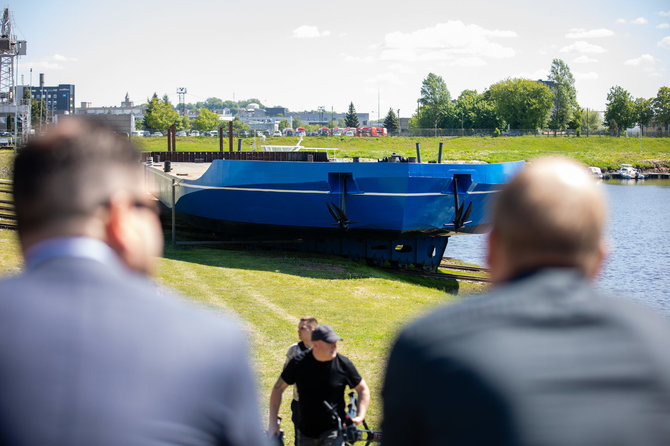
117 227
495 257
597 261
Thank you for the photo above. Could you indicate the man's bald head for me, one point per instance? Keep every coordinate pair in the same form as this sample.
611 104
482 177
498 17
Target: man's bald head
550 214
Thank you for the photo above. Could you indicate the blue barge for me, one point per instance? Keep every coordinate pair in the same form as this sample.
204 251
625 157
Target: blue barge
398 212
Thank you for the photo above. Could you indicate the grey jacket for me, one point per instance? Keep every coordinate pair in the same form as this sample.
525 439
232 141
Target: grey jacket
93 355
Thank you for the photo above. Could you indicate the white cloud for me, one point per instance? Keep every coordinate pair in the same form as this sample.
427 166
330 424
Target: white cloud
639 21
643 60
663 26
583 47
55 62
591 75
580 33
357 59
60 58
309 32
585 59
453 41
664 13
385 78
664 42
620 21
401 68
469 62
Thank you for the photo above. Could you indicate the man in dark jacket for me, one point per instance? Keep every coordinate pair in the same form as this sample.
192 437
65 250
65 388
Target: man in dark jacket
544 358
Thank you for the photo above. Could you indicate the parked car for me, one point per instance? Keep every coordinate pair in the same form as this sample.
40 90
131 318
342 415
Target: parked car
194 133
181 133
277 133
156 134
213 133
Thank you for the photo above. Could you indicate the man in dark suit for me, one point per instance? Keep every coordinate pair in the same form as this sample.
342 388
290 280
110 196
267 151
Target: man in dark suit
544 358
93 353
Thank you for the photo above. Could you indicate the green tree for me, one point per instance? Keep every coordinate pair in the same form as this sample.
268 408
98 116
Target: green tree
565 95
35 108
160 114
206 120
591 120
575 123
620 110
351 118
475 111
435 101
184 123
521 103
662 106
297 123
391 122
644 112
212 104
283 124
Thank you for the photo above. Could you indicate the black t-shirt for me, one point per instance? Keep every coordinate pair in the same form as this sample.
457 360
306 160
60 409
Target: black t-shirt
318 382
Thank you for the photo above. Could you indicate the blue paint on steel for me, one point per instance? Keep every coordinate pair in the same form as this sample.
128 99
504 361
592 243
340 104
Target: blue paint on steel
400 197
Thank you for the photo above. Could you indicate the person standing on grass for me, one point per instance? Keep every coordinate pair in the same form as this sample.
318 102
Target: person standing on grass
321 374
94 353
544 358
306 326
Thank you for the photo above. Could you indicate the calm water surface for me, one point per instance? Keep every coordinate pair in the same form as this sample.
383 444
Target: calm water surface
639 241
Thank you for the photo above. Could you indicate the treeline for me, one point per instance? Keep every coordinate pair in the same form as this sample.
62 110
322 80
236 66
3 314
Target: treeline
529 104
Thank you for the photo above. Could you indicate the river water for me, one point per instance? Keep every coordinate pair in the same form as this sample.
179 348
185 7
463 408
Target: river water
638 230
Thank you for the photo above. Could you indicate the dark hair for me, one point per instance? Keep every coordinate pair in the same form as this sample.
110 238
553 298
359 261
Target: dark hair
69 172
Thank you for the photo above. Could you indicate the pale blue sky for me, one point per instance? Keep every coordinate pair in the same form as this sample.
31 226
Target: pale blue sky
303 55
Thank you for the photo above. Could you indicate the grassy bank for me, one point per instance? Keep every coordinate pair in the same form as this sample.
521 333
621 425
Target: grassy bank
601 151
268 291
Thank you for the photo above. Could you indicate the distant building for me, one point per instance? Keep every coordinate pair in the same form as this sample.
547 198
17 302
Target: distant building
59 100
120 119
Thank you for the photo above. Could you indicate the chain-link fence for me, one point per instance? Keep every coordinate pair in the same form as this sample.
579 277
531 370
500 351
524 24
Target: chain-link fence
436 132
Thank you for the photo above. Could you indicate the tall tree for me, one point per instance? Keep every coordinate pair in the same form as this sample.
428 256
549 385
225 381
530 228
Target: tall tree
644 112
591 120
662 106
565 95
351 118
206 120
620 110
435 101
35 108
160 114
522 103
475 111
391 121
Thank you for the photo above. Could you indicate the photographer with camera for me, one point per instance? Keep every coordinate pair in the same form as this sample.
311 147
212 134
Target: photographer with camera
320 374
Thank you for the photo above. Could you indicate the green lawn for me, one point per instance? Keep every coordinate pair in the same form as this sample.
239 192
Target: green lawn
269 291
601 151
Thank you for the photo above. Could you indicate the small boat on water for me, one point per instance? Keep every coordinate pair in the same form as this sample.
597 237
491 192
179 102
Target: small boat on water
393 210
596 172
628 172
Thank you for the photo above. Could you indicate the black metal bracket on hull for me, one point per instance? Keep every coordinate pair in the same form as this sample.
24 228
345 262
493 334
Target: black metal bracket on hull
340 213
460 218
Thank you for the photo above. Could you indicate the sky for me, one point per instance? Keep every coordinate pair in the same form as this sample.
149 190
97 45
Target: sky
308 54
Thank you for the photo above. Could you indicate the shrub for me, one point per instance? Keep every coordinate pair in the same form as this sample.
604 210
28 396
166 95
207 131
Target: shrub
496 133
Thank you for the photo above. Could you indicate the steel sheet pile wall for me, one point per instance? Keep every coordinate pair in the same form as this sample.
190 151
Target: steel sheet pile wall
208 157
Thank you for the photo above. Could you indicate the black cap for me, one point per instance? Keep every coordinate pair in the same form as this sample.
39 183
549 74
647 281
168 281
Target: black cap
325 333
